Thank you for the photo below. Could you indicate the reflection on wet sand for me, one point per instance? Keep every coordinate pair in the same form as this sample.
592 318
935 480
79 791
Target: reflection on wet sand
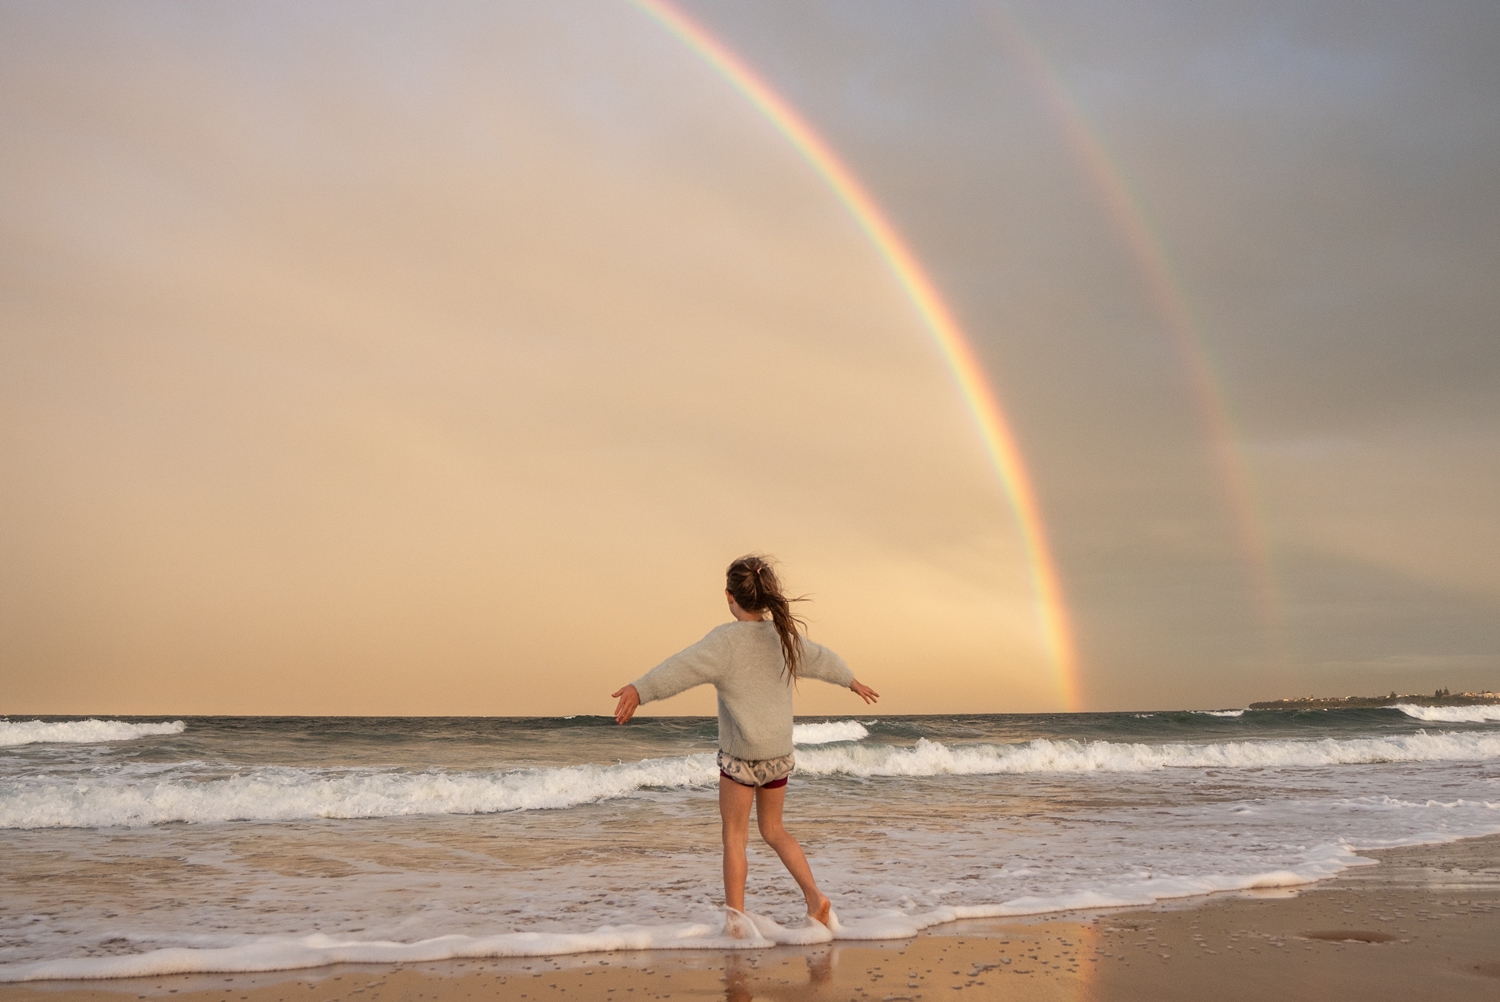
1048 962
740 983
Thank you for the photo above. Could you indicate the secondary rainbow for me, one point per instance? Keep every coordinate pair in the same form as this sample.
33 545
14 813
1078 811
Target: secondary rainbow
1148 251
983 403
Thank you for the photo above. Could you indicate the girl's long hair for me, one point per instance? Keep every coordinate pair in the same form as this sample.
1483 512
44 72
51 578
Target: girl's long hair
754 586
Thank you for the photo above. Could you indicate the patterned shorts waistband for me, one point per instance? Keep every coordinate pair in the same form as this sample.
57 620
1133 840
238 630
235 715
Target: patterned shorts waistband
756 772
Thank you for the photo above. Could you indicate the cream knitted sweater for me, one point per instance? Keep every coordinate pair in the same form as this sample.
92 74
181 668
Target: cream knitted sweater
743 661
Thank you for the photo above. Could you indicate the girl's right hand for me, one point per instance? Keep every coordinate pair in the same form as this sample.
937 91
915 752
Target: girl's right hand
629 699
864 692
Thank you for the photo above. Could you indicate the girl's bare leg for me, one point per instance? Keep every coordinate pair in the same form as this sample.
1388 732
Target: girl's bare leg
734 814
768 805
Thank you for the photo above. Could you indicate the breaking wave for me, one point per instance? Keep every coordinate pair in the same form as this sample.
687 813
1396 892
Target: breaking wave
280 793
828 732
1451 714
932 758
76 732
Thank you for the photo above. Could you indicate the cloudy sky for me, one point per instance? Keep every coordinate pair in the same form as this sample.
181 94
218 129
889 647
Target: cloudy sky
383 358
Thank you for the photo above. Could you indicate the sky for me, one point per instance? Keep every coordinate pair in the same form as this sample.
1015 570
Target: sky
398 359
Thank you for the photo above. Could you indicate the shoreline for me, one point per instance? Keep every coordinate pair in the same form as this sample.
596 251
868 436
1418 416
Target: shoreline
1425 921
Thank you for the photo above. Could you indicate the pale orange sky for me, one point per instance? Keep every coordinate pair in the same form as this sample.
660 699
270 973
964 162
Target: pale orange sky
362 361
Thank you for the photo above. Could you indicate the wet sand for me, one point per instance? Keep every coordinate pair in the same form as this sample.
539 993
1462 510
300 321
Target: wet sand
1425 923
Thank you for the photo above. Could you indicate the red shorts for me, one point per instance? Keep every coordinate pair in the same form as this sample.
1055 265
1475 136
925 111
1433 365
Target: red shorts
774 784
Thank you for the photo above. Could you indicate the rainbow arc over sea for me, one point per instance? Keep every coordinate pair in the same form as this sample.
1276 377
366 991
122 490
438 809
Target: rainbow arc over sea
994 428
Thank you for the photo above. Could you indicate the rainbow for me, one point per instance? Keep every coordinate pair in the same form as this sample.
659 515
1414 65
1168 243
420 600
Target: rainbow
1128 214
993 426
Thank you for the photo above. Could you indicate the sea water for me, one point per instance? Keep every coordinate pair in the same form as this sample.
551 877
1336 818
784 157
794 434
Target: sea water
141 846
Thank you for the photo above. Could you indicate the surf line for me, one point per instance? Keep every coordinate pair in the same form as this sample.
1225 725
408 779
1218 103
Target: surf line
1164 286
984 404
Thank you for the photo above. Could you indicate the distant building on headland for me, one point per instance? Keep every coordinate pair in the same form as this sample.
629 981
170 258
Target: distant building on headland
1441 697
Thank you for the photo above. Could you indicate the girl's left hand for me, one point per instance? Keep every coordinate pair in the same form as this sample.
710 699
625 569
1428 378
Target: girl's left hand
864 692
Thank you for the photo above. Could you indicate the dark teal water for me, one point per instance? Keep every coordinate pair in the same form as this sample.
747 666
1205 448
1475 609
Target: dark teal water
229 831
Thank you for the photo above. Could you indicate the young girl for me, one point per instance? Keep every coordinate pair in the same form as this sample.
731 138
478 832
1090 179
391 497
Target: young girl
753 663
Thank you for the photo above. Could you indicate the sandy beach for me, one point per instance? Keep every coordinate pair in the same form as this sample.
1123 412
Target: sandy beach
1425 923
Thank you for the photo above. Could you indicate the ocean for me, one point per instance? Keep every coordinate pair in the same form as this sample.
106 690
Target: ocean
147 846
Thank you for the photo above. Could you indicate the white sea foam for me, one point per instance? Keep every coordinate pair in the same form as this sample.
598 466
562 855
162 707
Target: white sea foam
1321 863
28 732
282 953
285 953
1451 714
828 732
932 758
1221 713
270 953
286 794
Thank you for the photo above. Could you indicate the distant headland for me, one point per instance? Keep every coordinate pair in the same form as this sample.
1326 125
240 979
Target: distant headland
1442 697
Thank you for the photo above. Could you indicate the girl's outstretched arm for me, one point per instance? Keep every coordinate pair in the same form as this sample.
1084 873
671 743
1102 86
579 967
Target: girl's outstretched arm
703 663
861 690
629 699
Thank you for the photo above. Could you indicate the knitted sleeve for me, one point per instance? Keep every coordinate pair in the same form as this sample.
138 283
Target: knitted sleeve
704 662
820 663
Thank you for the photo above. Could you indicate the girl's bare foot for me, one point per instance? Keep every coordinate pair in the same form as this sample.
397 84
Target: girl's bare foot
737 925
823 913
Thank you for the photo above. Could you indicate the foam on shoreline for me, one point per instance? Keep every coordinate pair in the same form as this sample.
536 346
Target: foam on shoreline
275 953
